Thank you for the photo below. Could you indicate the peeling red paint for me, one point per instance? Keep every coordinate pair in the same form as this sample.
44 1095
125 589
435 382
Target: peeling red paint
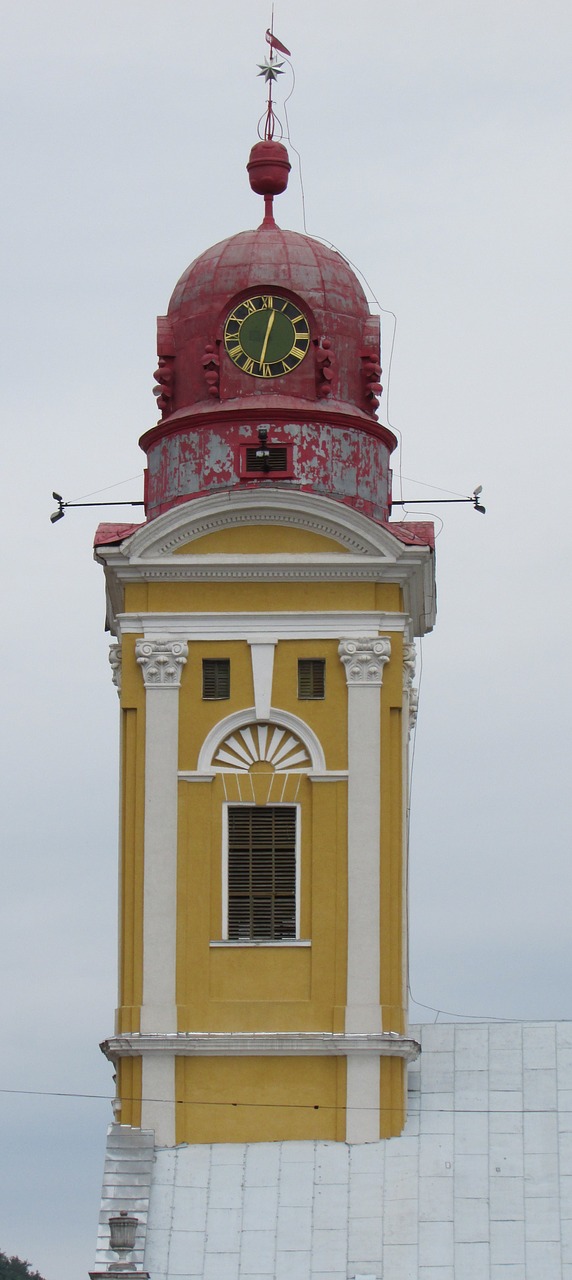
334 458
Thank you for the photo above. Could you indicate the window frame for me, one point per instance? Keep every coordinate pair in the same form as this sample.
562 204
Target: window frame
259 942
216 697
245 473
311 697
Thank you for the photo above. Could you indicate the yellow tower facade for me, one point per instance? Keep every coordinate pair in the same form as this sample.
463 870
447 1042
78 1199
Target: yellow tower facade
264 620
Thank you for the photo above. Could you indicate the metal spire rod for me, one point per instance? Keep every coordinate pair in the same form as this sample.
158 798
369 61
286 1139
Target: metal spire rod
432 502
60 513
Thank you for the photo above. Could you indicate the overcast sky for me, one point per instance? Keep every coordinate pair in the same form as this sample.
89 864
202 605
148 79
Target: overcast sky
435 144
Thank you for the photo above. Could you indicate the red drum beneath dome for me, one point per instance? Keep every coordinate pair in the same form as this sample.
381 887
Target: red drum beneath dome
337 458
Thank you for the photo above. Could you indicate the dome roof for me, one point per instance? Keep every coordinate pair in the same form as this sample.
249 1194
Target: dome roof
342 363
270 257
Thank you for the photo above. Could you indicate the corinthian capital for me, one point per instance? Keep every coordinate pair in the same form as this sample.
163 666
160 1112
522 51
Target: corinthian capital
161 660
409 656
364 659
115 664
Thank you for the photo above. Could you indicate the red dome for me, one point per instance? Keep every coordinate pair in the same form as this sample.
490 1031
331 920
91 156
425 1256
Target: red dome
286 263
270 256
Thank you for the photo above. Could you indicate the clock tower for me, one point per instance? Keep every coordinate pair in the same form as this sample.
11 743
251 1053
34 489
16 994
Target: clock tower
264 618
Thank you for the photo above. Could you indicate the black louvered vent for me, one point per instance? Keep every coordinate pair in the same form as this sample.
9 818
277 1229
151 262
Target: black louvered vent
216 677
261 873
267 457
311 678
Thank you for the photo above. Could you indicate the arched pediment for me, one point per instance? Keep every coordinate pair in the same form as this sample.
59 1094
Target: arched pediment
182 525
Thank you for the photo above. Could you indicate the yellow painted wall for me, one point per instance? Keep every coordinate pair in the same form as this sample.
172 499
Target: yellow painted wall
227 987
260 1099
252 539
263 597
393 1097
129 1089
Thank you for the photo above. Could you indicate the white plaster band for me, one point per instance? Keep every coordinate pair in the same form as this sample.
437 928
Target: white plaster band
263 627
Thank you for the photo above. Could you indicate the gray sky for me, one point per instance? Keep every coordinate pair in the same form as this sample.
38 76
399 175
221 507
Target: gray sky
435 147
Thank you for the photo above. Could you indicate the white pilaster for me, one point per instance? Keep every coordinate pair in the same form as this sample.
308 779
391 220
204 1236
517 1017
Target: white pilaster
262 653
158 1097
364 660
161 660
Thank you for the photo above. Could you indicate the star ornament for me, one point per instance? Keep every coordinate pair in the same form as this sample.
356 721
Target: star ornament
270 70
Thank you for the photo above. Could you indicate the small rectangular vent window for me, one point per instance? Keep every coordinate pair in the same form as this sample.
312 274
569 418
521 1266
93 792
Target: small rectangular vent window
216 678
311 678
268 457
261 873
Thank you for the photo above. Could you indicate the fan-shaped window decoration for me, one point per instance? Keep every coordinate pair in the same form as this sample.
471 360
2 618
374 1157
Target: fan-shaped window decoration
280 748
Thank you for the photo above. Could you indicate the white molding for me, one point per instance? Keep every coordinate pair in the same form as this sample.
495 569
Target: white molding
193 775
262 657
276 716
330 775
255 942
263 627
261 1044
161 659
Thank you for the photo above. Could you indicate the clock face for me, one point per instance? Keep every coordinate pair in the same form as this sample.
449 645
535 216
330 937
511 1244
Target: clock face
267 336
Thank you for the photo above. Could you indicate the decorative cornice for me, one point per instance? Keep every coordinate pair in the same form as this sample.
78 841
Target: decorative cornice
262 1044
115 664
161 660
369 552
364 659
337 413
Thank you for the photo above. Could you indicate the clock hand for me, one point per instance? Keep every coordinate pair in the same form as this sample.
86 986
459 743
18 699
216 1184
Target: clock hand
268 329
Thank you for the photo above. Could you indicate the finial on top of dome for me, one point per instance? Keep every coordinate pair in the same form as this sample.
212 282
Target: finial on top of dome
268 165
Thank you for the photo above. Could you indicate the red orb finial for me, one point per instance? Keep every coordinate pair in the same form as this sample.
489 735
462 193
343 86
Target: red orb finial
268 169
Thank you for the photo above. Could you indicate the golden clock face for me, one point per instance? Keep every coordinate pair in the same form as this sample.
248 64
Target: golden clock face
267 336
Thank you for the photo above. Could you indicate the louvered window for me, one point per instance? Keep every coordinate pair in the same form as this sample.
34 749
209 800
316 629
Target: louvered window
267 457
311 678
261 873
216 678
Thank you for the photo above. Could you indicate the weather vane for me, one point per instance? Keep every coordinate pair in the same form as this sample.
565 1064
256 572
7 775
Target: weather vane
271 68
